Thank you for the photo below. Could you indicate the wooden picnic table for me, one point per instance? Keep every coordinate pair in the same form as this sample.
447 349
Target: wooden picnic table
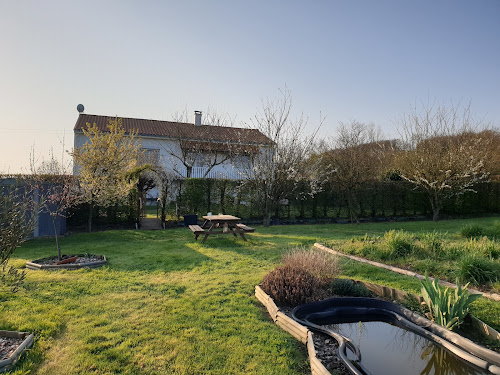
221 224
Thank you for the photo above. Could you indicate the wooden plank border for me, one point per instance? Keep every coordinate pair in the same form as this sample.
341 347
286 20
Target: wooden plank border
493 296
399 295
297 330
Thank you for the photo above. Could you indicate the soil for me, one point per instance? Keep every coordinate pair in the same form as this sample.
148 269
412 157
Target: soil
326 348
8 345
86 258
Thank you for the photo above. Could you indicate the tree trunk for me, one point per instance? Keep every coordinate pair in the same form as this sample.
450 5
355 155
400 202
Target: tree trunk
436 207
59 257
91 207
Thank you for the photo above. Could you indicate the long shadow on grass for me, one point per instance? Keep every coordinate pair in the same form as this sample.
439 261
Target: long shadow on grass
261 248
125 250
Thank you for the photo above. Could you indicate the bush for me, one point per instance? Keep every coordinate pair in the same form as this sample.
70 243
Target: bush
346 287
472 230
478 270
446 307
293 286
317 262
399 243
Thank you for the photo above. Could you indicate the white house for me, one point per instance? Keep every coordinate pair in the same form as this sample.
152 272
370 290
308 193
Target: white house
188 150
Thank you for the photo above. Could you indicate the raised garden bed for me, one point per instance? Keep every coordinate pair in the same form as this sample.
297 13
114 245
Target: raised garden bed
69 262
12 345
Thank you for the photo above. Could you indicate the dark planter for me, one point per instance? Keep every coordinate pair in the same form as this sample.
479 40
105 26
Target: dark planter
190 220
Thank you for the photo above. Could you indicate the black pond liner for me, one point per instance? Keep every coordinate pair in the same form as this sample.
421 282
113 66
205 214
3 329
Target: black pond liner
352 309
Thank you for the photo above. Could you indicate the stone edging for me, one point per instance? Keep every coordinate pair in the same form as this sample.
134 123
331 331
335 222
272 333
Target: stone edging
297 330
493 296
36 266
9 363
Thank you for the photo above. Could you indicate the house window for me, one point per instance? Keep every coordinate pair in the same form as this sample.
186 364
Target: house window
150 156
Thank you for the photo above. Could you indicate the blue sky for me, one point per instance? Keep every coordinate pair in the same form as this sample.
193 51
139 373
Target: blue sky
364 60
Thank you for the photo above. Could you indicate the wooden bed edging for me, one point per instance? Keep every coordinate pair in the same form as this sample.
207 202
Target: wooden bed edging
399 295
493 296
9 363
297 330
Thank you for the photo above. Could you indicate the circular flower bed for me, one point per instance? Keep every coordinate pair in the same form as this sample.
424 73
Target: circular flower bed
68 262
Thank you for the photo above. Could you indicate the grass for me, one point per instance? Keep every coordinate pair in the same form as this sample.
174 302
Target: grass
447 254
168 304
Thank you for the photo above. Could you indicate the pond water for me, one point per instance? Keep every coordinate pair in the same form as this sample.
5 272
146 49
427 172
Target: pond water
389 350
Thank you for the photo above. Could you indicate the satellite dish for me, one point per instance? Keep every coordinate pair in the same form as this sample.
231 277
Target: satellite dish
80 108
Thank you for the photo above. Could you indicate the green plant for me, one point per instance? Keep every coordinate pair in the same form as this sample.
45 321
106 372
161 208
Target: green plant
472 230
347 287
483 246
432 243
446 307
292 286
477 269
317 262
399 242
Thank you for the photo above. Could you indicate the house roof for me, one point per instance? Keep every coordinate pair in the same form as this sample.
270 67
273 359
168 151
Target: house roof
178 130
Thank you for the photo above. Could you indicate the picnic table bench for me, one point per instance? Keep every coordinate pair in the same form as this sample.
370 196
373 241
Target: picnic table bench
220 224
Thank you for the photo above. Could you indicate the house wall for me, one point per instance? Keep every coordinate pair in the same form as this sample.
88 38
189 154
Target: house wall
228 169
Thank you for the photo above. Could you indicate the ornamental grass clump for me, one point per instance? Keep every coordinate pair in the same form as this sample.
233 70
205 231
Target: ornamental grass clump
447 308
399 243
304 276
318 263
292 286
472 230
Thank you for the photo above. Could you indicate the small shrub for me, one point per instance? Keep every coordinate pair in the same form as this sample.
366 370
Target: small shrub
399 242
472 230
495 231
317 262
478 270
482 246
293 286
346 287
446 307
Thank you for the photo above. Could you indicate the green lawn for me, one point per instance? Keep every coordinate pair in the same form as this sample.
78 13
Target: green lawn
169 305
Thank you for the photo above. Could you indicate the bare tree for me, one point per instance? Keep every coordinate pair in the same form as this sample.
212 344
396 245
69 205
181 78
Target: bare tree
53 184
354 157
274 173
208 152
444 154
17 221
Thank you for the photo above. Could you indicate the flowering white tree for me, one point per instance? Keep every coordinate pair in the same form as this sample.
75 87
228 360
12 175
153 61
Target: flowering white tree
105 164
443 152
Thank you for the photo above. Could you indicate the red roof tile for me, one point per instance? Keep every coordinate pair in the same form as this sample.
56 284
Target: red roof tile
178 130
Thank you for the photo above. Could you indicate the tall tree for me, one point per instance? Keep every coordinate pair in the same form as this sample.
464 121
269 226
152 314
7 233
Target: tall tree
274 173
104 165
444 154
354 157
